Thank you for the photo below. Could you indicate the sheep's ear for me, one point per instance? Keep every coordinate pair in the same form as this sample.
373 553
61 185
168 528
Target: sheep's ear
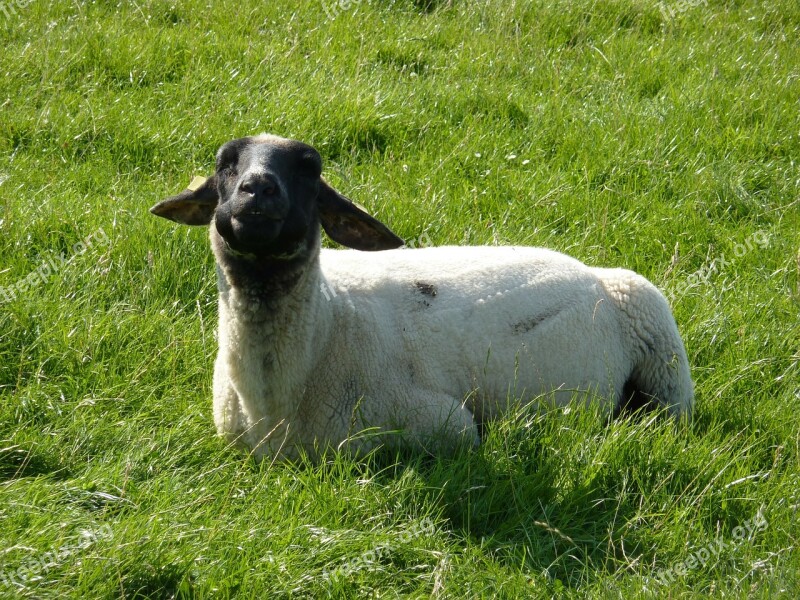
350 225
193 206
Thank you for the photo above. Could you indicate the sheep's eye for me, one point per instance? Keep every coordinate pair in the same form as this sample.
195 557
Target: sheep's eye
310 163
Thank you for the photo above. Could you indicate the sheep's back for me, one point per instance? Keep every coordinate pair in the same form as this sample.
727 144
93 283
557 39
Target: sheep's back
505 321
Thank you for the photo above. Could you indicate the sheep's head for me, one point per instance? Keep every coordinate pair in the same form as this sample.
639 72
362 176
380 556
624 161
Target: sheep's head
268 200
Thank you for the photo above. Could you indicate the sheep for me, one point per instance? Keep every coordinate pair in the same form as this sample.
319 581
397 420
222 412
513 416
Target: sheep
322 347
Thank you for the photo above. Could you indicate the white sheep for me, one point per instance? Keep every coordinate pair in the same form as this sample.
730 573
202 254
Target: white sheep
320 347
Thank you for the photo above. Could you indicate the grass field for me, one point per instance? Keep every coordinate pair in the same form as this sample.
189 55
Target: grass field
658 137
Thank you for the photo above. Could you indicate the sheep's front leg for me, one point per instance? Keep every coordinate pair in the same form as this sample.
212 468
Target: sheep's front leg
438 423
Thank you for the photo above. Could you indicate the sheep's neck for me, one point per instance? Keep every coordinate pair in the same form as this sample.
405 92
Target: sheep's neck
269 332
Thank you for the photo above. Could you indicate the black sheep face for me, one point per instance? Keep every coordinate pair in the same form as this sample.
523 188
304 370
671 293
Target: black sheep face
267 197
267 200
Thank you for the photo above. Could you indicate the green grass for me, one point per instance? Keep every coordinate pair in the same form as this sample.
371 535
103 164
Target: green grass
608 130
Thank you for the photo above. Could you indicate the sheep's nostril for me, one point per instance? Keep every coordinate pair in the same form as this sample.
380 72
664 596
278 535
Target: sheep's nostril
259 186
247 187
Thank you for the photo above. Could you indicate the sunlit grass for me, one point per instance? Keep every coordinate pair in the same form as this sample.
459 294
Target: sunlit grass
659 138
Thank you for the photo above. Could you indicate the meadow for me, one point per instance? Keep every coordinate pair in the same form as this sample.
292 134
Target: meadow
657 136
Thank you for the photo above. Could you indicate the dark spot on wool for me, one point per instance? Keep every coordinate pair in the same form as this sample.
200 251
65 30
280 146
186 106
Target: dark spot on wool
427 289
526 325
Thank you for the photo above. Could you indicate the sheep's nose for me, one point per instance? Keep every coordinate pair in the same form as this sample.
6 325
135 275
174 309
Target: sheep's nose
259 185
259 198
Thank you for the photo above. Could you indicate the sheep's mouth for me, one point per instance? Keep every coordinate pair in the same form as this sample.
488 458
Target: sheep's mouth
256 225
255 217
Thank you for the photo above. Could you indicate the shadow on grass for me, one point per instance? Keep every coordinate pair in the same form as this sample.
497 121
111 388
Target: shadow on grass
171 580
559 492
17 461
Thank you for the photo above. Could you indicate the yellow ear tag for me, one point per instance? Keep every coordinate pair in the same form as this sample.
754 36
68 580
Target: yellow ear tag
196 183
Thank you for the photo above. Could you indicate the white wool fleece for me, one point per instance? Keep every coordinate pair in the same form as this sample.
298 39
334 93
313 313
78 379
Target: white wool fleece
429 342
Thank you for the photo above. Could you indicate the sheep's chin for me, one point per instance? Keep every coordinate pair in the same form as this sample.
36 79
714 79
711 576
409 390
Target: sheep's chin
290 254
255 229
256 239
286 255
